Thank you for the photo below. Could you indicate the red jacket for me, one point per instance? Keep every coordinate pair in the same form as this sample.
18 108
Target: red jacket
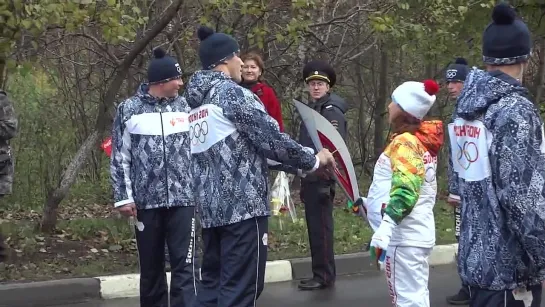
268 98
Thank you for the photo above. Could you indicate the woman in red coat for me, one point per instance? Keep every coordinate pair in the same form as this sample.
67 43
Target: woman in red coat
252 79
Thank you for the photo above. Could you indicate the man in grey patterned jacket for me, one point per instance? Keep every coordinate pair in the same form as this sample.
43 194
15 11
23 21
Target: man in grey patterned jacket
232 140
152 183
498 157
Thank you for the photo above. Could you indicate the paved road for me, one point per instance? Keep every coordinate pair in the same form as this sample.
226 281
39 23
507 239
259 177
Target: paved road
357 290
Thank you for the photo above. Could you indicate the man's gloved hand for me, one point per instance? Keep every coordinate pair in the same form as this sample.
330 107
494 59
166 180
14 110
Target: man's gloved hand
381 240
360 207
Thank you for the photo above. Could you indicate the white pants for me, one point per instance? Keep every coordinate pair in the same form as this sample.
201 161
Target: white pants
407 273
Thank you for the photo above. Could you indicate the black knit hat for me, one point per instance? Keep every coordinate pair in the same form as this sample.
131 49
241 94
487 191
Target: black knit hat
215 48
457 71
163 68
319 70
507 39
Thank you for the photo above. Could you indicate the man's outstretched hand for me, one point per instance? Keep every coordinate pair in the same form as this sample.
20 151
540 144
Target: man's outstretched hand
327 164
326 158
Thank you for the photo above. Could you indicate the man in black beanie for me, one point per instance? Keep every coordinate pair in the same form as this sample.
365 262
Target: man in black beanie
498 156
232 138
455 77
152 182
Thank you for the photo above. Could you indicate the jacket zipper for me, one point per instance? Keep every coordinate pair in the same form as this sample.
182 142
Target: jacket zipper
164 156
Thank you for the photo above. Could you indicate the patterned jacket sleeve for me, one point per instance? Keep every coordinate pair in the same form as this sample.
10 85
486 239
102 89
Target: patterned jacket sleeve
407 176
518 172
452 176
120 163
275 166
8 119
263 132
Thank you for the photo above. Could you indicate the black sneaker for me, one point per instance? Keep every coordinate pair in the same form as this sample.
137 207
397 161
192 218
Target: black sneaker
461 298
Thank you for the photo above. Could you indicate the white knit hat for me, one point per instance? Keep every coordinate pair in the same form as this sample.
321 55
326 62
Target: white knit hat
416 98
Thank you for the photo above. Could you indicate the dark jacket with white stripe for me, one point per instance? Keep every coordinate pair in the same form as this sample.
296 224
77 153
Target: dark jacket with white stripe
232 137
150 152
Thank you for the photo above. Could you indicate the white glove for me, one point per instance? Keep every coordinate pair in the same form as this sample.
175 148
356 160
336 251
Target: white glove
381 240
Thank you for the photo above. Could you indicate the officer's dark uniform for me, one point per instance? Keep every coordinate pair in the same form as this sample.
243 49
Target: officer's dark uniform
317 194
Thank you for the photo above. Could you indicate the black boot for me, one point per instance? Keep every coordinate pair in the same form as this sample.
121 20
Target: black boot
312 284
461 298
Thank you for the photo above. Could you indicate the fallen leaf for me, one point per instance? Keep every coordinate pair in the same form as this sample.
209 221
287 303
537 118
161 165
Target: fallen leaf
115 248
94 250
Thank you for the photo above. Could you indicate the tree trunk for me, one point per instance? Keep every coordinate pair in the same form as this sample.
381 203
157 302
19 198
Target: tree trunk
103 122
540 76
3 77
380 105
55 197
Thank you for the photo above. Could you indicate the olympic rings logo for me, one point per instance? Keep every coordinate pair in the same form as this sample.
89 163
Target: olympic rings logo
198 132
430 174
468 152
451 73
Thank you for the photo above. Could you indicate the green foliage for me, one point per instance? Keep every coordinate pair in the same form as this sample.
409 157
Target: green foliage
256 11
117 19
434 28
46 142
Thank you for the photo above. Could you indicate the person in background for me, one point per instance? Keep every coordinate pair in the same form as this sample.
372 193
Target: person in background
455 77
8 130
150 173
498 155
252 79
318 193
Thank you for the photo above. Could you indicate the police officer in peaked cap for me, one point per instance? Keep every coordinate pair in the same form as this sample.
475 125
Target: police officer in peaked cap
318 193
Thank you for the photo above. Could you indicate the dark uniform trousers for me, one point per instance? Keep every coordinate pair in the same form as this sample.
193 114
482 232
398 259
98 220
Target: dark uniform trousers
488 298
318 195
233 266
176 226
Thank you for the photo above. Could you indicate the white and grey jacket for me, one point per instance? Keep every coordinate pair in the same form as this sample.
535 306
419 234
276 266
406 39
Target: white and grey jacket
150 152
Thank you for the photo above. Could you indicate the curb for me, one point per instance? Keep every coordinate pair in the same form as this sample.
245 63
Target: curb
77 290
